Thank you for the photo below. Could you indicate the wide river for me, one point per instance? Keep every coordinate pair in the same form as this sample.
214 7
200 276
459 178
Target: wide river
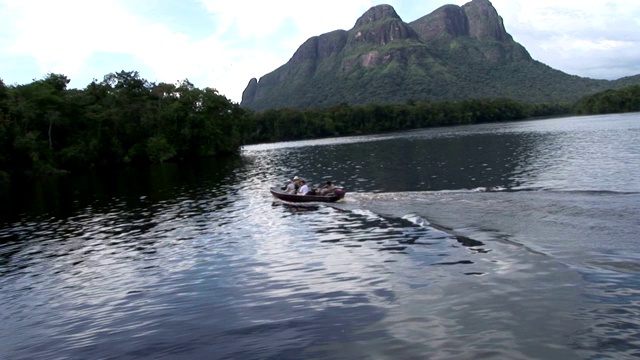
498 241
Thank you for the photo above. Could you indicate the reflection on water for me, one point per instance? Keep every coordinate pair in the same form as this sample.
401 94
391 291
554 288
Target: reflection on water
466 242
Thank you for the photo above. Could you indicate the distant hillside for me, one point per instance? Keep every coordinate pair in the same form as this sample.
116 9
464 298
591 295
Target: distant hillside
456 52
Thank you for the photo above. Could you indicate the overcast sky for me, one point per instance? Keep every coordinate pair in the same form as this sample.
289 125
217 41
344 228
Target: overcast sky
223 44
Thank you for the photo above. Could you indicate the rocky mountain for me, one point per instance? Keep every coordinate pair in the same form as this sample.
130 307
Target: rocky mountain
456 52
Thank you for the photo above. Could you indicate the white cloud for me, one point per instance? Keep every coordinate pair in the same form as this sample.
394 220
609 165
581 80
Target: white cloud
62 35
262 18
577 37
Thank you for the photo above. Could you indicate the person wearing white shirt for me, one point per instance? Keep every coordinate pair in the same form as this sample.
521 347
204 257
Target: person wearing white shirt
304 189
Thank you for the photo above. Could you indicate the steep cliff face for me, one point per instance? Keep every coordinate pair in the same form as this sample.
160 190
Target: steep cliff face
320 47
303 65
335 54
378 38
484 21
455 52
448 21
477 19
375 15
380 25
251 89
382 33
474 30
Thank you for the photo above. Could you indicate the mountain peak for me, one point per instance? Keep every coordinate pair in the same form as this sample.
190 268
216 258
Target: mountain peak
477 19
380 25
377 13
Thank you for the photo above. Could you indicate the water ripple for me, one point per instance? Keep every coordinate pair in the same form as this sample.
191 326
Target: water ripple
419 260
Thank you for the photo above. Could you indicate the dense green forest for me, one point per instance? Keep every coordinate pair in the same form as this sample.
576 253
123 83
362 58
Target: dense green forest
47 129
292 124
622 100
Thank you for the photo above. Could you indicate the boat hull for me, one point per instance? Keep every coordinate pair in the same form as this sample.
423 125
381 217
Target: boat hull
280 194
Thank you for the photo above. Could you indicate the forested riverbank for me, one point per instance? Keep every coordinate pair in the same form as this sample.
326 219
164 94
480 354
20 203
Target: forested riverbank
46 128
623 100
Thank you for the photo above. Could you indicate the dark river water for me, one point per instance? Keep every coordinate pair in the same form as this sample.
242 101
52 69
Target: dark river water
498 241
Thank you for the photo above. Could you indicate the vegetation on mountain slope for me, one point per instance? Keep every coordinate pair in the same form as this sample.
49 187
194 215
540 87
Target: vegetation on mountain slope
454 53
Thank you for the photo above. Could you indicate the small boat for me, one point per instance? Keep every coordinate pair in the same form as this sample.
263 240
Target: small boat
334 196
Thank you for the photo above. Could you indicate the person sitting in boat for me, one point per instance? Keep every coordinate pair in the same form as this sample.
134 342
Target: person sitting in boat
304 189
293 186
326 188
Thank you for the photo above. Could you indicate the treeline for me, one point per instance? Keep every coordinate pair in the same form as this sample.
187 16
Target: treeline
622 100
340 120
46 128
